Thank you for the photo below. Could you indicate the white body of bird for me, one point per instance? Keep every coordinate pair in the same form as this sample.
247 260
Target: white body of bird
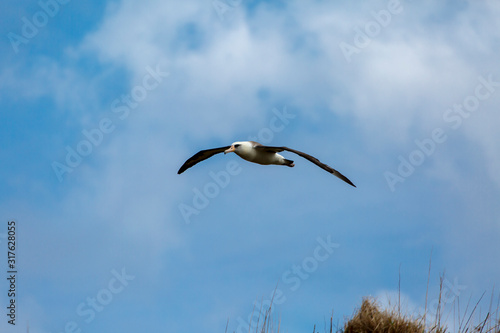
245 150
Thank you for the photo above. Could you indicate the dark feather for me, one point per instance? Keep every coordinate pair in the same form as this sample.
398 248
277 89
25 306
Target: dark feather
307 157
201 156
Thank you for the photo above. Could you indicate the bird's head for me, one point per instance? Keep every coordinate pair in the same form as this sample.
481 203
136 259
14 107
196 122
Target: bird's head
235 147
240 147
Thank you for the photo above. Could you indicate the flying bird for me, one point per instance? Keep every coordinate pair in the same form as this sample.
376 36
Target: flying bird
255 152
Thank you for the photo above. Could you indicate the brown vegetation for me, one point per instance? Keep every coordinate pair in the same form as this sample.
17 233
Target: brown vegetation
369 318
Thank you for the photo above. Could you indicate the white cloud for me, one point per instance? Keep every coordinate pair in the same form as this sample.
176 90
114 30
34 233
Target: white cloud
395 301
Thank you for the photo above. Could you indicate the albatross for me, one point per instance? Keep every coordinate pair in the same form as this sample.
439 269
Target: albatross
255 152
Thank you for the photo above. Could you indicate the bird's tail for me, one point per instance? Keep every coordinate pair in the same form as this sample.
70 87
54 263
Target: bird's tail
288 163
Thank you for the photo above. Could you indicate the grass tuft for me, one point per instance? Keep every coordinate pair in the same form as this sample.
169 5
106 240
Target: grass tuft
369 318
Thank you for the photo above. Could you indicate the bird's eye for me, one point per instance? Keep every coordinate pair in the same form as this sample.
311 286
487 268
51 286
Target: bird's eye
237 145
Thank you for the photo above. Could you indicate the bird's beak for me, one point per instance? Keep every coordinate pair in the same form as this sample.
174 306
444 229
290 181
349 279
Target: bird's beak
230 150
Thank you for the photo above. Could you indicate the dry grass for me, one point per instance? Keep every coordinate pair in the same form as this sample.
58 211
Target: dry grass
369 318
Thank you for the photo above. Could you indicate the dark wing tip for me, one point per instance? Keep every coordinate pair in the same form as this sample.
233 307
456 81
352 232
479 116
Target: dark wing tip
350 183
183 168
341 176
186 166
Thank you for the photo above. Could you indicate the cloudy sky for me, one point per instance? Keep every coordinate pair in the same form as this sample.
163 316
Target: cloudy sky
102 101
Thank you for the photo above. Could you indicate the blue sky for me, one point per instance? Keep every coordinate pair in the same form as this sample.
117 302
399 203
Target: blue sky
103 101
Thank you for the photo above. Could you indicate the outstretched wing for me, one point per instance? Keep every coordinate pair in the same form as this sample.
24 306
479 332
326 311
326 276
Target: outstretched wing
200 156
307 157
